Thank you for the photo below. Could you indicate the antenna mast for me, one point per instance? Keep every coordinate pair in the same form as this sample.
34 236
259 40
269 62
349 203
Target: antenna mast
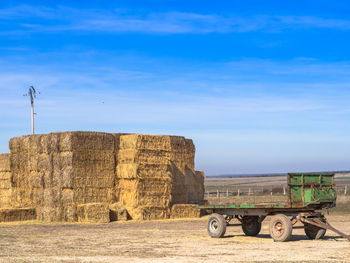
32 95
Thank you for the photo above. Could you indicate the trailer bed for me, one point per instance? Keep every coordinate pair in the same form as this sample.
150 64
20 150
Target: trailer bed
307 192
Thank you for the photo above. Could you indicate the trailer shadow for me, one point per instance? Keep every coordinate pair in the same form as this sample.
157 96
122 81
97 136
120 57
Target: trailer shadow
294 238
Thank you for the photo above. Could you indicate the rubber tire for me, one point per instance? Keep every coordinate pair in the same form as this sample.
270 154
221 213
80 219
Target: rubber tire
216 226
314 232
251 225
287 225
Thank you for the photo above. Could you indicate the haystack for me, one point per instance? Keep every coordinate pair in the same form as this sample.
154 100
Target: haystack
155 172
69 176
58 171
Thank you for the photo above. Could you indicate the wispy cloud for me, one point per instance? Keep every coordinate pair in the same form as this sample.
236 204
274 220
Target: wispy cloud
225 112
43 19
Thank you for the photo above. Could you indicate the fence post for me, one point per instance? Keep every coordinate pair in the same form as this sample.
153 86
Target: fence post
226 192
238 192
249 192
284 190
217 193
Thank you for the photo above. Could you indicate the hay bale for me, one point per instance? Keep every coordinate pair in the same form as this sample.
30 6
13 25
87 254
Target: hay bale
194 185
93 213
143 156
5 162
144 170
141 141
148 212
5 181
117 212
185 211
17 214
49 214
145 192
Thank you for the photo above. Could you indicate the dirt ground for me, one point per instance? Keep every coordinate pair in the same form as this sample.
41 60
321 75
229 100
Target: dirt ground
163 241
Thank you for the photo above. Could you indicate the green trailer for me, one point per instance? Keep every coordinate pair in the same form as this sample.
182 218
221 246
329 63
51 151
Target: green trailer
308 193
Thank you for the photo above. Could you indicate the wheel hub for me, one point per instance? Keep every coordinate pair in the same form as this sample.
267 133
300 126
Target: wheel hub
278 228
214 225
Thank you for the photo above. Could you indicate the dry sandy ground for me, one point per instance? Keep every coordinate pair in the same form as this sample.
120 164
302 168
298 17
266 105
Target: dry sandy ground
163 241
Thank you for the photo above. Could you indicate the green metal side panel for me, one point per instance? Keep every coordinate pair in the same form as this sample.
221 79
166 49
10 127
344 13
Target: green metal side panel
244 206
308 189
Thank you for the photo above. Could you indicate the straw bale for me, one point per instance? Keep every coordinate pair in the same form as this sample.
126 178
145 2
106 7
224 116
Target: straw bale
5 180
69 206
92 195
49 213
140 141
66 174
5 162
179 189
93 213
156 143
117 212
144 156
139 171
5 183
5 198
148 212
52 196
17 214
195 186
95 141
185 211
145 192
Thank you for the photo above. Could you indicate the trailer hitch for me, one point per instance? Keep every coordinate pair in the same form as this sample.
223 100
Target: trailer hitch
325 225
314 219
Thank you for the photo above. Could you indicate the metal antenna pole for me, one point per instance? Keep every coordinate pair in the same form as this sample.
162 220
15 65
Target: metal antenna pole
32 118
32 95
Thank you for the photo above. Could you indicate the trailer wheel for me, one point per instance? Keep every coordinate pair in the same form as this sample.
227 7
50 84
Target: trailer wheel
216 225
280 228
314 232
251 225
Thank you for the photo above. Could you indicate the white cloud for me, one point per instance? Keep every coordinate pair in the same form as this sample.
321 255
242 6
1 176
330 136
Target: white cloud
242 119
70 19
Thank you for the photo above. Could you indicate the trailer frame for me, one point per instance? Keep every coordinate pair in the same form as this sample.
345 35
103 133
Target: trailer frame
308 192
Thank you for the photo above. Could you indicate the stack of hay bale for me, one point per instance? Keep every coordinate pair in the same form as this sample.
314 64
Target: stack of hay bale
57 172
155 172
7 211
95 177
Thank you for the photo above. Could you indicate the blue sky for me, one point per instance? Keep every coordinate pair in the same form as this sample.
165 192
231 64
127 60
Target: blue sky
260 86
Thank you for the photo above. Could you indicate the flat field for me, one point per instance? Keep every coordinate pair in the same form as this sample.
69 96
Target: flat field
163 241
173 240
